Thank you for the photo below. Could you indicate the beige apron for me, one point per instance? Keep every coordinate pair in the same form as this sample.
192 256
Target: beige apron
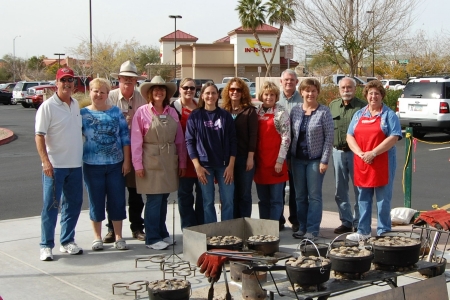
159 157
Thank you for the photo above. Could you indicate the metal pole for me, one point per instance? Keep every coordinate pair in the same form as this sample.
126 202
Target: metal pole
59 58
175 49
90 29
373 41
408 169
14 58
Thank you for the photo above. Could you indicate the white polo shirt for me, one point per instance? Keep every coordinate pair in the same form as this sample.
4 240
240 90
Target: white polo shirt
61 126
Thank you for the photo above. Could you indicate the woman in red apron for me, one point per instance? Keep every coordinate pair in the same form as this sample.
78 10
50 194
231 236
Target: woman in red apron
159 157
189 207
273 144
372 136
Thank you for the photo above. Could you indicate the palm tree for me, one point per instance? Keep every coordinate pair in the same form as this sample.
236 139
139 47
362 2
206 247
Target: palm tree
280 12
251 15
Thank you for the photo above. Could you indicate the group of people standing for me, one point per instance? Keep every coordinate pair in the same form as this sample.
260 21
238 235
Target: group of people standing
139 140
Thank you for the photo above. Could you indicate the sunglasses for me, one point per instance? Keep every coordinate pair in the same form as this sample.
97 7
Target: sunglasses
238 90
185 88
70 79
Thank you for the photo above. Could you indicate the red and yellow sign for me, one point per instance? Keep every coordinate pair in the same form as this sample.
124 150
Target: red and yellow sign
266 47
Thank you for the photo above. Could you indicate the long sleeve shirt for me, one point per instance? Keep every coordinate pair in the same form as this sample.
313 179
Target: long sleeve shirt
282 125
142 122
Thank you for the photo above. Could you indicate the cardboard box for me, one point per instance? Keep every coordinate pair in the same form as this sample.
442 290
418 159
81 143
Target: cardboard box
194 238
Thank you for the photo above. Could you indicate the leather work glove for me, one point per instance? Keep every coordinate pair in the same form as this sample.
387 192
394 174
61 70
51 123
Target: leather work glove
438 218
211 264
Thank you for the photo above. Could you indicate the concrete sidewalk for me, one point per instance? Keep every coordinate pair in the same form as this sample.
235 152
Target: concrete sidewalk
91 275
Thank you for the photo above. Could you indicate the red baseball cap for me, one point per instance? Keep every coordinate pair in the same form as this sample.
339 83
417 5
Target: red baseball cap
64 72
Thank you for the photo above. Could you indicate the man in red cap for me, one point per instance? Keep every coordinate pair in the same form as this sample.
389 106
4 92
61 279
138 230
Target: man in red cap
60 147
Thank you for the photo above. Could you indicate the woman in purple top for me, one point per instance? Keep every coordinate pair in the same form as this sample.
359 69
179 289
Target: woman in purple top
211 144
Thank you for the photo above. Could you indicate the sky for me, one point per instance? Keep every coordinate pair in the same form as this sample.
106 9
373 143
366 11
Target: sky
46 27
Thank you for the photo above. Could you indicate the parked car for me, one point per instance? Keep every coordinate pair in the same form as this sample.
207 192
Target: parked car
177 82
5 97
392 84
333 80
81 84
198 85
36 94
252 88
19 93
225 80
425 105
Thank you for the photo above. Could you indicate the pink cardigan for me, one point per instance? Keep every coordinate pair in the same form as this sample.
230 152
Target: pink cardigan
142 122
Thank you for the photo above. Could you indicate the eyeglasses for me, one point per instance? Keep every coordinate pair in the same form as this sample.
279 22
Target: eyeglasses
237 90
70 79
185 88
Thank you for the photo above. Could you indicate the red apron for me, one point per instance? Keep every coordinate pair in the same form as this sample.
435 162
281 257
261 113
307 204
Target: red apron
190 169
368 135
269 141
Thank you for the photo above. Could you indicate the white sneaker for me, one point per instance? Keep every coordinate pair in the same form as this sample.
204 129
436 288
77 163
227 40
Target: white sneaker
169 240
71 248
161 245
46 254
356 237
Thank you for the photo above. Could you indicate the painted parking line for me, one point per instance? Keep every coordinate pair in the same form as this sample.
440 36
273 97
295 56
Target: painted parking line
437 149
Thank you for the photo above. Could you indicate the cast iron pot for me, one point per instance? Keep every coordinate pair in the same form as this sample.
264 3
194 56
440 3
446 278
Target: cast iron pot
237 246
359 264
308 276
180 294
267 248
344 243
440 269
310 250
397 256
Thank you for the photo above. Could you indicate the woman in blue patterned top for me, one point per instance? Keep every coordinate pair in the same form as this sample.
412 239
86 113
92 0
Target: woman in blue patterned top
312 131
106 160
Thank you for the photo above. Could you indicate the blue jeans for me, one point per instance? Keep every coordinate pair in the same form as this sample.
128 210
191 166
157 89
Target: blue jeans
271 200
243 181
65 187
343 172
155 213
226 192
105 185
383 196
308 192
189 215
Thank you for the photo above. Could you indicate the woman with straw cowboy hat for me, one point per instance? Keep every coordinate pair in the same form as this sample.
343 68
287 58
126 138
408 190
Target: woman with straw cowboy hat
159 156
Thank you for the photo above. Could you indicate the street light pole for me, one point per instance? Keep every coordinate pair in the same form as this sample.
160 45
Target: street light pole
175 17
14 58
59 58
373 42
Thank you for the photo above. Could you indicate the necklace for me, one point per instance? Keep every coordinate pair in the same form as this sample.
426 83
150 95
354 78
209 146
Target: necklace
236 108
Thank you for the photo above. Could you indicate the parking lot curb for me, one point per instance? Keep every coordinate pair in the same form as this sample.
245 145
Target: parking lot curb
6 136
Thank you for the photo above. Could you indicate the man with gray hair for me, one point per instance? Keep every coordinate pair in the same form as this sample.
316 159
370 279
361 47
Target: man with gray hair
290 97
128 99
342 110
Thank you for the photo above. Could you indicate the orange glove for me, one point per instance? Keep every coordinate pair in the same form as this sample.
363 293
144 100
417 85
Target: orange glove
211 264
438 218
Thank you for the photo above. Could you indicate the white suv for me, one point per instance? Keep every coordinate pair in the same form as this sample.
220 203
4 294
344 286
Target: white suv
392 84
425 105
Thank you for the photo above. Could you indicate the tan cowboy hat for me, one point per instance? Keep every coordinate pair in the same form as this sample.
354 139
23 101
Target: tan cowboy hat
128 69
171 87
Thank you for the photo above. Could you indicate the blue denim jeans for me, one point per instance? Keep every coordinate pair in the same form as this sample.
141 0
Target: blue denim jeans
383 195
189 215
308 191
65 188
226 192
105 185
155 213
271 200
343 172
243 181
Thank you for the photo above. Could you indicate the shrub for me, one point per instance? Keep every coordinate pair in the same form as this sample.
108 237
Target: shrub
83 99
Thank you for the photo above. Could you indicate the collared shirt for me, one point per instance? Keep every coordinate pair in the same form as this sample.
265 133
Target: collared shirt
61 126
289 103
342 116
130 107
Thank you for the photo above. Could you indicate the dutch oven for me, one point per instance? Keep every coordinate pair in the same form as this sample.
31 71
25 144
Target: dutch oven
306 276
346 259
395 255
309 250
439 269
177 289
224 242
343 243
268 245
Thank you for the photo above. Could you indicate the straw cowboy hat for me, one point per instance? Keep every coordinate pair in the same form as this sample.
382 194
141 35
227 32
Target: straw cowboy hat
128 69
171 87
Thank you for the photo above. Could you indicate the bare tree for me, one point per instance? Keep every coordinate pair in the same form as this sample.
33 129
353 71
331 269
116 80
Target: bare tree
346 28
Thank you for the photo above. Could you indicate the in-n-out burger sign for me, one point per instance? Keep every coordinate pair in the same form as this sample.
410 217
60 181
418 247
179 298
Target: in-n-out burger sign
255 49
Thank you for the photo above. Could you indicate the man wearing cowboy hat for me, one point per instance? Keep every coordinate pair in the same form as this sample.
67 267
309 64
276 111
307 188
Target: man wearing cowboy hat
128 99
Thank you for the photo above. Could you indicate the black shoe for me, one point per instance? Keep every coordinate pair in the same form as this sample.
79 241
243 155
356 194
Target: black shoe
295 227
138 234
109 238
281 227
355 229
343 229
